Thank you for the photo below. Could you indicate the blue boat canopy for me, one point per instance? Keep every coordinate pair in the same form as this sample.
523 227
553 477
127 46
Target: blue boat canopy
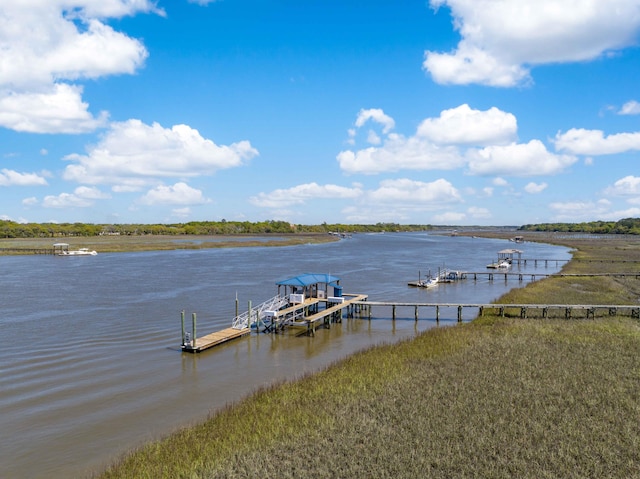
308 279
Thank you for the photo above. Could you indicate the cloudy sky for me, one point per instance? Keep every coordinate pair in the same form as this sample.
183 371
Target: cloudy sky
465 112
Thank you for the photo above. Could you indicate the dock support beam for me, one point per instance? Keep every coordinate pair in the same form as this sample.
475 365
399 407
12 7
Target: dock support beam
393 312
459 314
437 314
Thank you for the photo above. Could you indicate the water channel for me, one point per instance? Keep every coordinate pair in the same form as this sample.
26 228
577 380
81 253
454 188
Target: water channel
90 364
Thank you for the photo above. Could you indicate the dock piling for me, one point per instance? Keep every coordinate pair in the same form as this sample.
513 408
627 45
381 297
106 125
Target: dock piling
193 328
182 321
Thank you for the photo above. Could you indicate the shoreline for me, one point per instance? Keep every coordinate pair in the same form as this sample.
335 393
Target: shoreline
130 244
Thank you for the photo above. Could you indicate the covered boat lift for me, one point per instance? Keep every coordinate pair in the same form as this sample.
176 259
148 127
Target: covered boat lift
310 285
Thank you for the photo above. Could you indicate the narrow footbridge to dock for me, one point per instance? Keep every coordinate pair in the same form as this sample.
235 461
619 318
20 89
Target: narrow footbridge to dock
524 311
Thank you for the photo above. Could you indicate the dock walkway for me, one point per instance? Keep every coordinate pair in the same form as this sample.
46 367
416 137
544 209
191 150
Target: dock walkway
214 339
331 313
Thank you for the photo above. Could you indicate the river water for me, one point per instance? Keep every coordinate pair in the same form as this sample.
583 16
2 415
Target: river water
90 364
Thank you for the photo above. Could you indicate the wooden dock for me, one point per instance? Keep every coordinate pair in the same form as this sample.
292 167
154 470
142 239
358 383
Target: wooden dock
524 311
332 313
309 315
214 339
521 276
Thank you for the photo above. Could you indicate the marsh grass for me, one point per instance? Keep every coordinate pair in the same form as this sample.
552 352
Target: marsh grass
497 397
118 244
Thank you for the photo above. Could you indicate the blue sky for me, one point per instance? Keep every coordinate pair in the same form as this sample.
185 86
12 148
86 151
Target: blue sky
458 112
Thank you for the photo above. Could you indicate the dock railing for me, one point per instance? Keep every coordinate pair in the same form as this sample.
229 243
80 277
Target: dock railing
246 319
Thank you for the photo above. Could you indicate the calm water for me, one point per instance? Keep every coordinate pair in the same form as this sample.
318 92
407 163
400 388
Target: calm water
90 364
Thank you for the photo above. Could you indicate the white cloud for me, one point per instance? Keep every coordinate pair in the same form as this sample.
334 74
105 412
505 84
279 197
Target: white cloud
46 44
178 194
82 197
132 154
181 212
499 181
630 108
629 185
588 211
31 201
435 144
479 213
502 39
529 159
415 193
400 153
13 178
376 115
60 109
301 194
373 138
90 193
463 125
593 142
449 218
576 211
534 188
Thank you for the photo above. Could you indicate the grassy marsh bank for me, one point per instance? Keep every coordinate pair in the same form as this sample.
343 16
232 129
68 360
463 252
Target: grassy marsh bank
117 244
498 397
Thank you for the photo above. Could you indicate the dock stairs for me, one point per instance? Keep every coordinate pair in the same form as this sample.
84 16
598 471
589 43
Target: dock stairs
260 312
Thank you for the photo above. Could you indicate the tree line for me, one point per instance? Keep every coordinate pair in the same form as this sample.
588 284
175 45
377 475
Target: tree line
11 229
624 226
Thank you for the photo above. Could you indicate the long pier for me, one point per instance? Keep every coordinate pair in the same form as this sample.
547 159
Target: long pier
521 276
523 311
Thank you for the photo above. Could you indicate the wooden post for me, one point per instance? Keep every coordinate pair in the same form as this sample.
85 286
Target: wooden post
437 314
236 304
249 318
481 311
193 328
416 313
182 321
459 314
393 312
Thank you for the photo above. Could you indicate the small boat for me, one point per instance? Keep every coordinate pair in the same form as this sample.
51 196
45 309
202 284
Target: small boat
78 252
430 282
502 264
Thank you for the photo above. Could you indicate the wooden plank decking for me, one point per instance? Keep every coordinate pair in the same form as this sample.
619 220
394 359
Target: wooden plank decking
214 339
309 322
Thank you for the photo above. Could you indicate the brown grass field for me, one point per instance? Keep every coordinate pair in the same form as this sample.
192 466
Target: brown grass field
493 398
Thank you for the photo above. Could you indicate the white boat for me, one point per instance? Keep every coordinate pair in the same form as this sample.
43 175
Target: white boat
430 282
78 252
502 264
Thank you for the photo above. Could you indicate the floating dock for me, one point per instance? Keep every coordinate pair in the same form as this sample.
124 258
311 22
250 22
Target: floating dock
214 339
